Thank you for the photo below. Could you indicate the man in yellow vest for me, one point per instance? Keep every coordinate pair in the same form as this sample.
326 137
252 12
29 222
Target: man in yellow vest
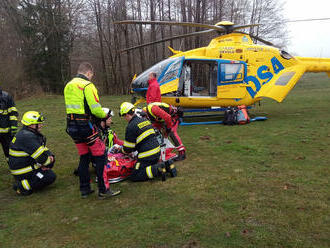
82 104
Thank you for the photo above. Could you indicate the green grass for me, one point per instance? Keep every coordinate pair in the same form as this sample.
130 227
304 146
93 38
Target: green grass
265 184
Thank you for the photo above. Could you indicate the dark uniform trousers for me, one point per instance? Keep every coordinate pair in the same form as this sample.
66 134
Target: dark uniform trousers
35 180
5 139
146 169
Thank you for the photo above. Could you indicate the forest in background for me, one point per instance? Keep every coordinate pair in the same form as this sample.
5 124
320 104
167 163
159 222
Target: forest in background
43 41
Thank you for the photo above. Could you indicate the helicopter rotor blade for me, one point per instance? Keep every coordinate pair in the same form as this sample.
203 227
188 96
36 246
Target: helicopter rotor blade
167 39
184 24
236 27
262 40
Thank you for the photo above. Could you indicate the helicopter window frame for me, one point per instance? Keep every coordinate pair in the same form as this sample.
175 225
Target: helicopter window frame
178 62
221 73
143 77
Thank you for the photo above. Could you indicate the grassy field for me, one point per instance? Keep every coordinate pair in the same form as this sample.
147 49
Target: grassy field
265 184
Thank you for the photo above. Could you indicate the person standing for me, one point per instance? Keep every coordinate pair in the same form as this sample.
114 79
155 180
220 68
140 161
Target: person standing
153 92
82 104
30 161
8 121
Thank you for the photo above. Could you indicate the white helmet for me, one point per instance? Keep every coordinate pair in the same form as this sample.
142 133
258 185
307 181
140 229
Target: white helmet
108 112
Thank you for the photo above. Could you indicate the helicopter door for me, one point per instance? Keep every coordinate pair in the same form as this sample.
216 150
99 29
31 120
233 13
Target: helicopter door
199 78
185 81
231 83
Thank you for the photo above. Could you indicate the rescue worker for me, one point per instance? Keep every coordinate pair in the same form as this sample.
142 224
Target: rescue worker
30 161
82 104
165 116
153 92
140 137
8 121
109 137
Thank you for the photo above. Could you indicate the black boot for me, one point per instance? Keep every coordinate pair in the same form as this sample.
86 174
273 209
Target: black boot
170 167
181 156
86 193
161 170
18 188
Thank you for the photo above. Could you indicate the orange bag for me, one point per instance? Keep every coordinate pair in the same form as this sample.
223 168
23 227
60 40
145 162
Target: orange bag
242 115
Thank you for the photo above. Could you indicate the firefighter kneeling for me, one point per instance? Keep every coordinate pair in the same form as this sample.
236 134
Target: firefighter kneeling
140 136
30 161
158 113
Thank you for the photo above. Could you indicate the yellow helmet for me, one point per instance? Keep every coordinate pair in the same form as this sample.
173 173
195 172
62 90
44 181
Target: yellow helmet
125 108
32 117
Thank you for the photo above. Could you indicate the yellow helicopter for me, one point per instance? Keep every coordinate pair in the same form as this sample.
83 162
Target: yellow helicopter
235 70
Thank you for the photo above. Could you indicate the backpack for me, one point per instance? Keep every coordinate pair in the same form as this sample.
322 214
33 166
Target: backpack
242 115
230 116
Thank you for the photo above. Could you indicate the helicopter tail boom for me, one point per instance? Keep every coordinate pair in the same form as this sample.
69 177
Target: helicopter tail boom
316 64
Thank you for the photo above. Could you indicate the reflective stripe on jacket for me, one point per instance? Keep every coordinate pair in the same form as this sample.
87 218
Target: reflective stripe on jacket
140 136
8 113
27 151
160 112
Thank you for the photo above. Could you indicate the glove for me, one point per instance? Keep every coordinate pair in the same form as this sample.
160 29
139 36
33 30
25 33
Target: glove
51 163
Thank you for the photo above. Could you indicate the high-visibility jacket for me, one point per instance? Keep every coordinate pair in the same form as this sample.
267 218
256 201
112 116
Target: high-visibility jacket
81 97
8 113
140 136
28 152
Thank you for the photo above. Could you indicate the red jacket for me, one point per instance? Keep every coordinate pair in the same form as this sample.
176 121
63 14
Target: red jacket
153 92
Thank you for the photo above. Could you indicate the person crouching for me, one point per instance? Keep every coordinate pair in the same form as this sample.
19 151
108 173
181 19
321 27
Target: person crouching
140 136
30 161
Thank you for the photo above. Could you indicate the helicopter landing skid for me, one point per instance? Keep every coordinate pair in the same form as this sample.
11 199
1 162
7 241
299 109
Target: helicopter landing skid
214 116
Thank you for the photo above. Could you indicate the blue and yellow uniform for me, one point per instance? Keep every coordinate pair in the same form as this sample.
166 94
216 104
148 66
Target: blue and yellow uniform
8 120
140 136
27 155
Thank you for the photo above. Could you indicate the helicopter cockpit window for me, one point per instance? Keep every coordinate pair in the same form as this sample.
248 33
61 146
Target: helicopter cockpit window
286 55
232 72
169 66
171 72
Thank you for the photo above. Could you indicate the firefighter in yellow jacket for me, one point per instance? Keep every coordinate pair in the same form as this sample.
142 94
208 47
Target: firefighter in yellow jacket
30 161
82 105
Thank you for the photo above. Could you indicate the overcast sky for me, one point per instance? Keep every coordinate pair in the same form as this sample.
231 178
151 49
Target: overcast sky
308 39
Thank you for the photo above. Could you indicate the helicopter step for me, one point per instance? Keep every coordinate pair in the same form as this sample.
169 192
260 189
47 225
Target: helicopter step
215 116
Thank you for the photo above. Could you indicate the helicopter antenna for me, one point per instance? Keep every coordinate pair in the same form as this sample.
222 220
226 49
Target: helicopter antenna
304 20
181 43
308 20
